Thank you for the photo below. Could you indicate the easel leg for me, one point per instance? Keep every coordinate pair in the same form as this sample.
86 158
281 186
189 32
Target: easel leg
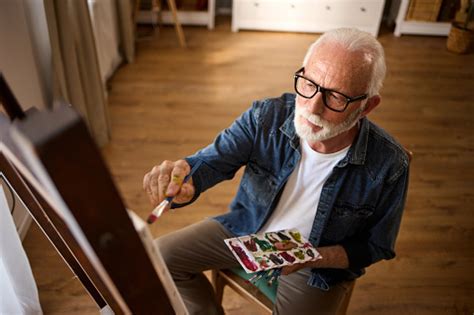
177 25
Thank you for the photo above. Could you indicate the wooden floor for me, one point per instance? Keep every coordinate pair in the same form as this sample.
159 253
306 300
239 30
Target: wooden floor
173 101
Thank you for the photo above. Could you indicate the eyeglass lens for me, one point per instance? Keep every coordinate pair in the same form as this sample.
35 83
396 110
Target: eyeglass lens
331 99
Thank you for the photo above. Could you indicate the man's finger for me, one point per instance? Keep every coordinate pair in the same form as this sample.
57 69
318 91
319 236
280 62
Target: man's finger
163 180
146 186
285 270
290 269
183 164
153 188
146 181
181 169
177 178
186 193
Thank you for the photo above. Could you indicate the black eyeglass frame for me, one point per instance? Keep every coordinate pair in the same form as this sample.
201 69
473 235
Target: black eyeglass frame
323 91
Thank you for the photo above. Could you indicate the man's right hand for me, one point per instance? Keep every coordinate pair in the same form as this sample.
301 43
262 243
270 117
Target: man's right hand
166 180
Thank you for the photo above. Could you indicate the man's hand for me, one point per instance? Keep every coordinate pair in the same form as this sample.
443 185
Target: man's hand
332 257
290 269
166 180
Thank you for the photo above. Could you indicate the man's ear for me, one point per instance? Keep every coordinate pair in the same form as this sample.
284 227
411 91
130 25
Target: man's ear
372 102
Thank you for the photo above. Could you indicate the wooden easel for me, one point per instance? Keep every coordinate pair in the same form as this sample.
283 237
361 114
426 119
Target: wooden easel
156 8
61 143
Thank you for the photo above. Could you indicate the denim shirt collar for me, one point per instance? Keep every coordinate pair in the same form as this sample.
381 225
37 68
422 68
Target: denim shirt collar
358 149
357 152
288 129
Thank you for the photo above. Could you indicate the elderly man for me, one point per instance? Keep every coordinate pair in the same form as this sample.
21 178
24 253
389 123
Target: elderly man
314 162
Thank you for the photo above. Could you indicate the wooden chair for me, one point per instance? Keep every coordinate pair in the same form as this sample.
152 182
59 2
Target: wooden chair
236 280
221 278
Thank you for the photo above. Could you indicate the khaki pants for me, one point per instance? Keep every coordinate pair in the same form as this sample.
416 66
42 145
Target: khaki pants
199 247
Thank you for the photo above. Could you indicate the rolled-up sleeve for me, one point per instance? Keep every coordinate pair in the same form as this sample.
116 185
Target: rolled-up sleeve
377 242
224 157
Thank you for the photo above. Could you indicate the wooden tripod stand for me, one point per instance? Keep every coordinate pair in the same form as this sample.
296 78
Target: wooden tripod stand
157 9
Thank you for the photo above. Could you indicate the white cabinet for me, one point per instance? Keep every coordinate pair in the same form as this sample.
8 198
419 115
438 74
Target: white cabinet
307 15
418 27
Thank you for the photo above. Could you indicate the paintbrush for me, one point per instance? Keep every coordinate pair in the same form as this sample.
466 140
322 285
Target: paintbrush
158 211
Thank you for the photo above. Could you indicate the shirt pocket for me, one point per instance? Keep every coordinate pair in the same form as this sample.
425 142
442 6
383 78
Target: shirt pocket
258 182
346 220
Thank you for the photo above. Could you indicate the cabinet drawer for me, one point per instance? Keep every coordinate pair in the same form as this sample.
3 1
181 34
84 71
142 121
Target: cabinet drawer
273 10
296 15
352 13
307 15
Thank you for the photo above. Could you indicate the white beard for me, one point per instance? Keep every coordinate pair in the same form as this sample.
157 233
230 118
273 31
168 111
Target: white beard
328 131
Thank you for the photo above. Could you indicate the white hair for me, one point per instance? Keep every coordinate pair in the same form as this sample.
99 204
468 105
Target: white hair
355 40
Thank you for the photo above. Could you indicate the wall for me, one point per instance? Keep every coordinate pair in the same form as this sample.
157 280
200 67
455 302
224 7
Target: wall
19 59
36 20
25 61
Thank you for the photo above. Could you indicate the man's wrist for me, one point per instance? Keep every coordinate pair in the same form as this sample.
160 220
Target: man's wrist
332 257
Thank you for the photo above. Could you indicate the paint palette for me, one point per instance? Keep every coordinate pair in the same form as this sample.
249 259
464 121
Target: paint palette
263 251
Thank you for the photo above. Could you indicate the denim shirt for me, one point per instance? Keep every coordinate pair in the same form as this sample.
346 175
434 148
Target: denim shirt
361 202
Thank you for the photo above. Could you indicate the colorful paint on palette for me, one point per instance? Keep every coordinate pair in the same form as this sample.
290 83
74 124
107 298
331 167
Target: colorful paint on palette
258 252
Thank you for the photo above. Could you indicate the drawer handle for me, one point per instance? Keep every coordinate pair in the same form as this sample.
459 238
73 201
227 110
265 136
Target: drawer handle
256 4
363 9
328 8
292 6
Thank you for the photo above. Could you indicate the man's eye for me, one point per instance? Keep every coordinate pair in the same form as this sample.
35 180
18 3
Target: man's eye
335 96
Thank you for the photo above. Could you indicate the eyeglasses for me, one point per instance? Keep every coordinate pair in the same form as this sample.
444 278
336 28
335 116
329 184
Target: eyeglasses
333 100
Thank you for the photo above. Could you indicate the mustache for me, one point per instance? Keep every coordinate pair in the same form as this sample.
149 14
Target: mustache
315 119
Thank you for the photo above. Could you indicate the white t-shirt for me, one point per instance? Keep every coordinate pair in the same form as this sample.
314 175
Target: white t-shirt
300 198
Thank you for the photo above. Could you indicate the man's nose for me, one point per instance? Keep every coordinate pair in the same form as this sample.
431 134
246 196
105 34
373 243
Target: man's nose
315 104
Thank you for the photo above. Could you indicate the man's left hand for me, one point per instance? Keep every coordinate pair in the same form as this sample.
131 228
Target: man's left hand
290 269
331 257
